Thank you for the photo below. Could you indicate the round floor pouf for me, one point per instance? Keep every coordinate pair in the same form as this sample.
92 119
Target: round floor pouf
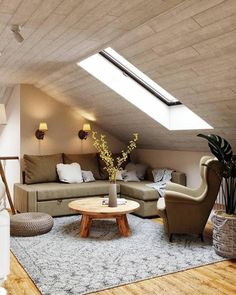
30 224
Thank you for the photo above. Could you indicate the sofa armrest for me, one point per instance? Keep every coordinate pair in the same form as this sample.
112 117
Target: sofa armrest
25 198
178 177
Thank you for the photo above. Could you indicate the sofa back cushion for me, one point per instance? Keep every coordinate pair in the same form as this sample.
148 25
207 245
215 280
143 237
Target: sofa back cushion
41 168
103 172
88 162
149 175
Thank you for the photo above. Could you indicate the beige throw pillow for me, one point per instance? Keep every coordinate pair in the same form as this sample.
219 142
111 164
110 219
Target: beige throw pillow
41 168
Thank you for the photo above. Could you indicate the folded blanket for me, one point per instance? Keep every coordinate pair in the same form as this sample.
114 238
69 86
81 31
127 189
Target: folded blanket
161 177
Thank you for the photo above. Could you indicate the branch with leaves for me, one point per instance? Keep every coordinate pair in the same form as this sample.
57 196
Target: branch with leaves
112 165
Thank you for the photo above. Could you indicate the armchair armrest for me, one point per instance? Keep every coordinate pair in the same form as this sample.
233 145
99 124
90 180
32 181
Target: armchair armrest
179 197
179 188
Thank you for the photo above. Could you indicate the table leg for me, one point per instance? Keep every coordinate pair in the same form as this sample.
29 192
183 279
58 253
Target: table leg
85 224
123 225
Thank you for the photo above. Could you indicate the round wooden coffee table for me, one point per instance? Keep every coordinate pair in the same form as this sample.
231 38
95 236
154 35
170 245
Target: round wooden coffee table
92 208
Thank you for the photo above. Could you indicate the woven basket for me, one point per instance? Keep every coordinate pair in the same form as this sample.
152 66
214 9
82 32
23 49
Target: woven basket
224 234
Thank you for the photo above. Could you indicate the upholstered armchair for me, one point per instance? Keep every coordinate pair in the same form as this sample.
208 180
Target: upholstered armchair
185 210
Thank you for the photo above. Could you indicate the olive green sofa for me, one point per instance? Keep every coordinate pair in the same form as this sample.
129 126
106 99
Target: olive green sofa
53 197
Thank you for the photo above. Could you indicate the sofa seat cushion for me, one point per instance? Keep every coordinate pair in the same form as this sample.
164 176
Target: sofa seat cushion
139 190
55 191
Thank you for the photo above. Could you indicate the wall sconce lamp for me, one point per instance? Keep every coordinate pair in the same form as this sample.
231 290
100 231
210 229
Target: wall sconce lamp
39 133
83 133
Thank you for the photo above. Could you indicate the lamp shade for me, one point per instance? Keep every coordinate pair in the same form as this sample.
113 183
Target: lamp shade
3 118
86 127
43 126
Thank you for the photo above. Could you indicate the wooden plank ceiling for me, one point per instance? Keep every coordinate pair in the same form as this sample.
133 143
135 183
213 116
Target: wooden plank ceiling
186 46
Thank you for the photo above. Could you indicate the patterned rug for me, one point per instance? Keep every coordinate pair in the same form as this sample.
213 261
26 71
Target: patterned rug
61 263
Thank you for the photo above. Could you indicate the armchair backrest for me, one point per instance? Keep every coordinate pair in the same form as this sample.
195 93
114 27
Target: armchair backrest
203 167
213 180
204 160
187 210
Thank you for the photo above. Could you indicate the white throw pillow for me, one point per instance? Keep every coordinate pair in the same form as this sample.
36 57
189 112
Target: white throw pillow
70 173
139 168
130 176
88 176
120 175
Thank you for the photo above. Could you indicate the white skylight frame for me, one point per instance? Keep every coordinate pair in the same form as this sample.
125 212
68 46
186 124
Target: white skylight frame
173 115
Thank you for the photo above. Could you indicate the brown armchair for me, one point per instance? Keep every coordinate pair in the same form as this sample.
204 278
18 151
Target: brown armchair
185 210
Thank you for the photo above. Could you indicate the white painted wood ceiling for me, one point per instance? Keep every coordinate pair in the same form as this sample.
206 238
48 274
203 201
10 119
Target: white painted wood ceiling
186 46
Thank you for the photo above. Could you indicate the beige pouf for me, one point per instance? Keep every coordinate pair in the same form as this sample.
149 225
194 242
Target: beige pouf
30 224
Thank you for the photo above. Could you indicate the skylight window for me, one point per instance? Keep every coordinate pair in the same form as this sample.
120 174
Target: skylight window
133 85
135 74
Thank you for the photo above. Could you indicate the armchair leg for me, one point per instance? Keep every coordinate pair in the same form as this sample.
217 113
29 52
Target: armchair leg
171 238
201 237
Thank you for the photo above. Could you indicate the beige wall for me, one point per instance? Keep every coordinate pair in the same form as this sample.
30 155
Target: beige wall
63 121
10 138
187 162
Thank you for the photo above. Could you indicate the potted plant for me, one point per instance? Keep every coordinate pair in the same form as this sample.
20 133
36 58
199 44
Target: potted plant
224 221
113 165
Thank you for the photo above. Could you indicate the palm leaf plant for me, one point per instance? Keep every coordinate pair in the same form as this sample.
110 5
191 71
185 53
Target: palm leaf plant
222 150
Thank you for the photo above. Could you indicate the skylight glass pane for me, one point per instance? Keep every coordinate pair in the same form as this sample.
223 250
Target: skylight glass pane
182 118
166 95
126 87
176 117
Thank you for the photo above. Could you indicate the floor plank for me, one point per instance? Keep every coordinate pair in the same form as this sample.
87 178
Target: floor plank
213 279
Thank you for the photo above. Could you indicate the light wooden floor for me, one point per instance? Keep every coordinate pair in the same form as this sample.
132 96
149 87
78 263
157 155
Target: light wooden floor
218 278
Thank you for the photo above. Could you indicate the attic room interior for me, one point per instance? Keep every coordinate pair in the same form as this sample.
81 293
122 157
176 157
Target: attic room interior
117 142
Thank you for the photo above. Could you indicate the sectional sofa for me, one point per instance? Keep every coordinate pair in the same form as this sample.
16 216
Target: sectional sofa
41 190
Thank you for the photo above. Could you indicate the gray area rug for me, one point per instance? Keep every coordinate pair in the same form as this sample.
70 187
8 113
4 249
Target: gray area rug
61 263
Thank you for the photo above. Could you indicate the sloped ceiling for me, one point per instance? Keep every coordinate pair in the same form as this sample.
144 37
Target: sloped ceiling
186 46
5 93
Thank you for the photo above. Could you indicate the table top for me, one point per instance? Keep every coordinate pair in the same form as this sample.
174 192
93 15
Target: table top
94 205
